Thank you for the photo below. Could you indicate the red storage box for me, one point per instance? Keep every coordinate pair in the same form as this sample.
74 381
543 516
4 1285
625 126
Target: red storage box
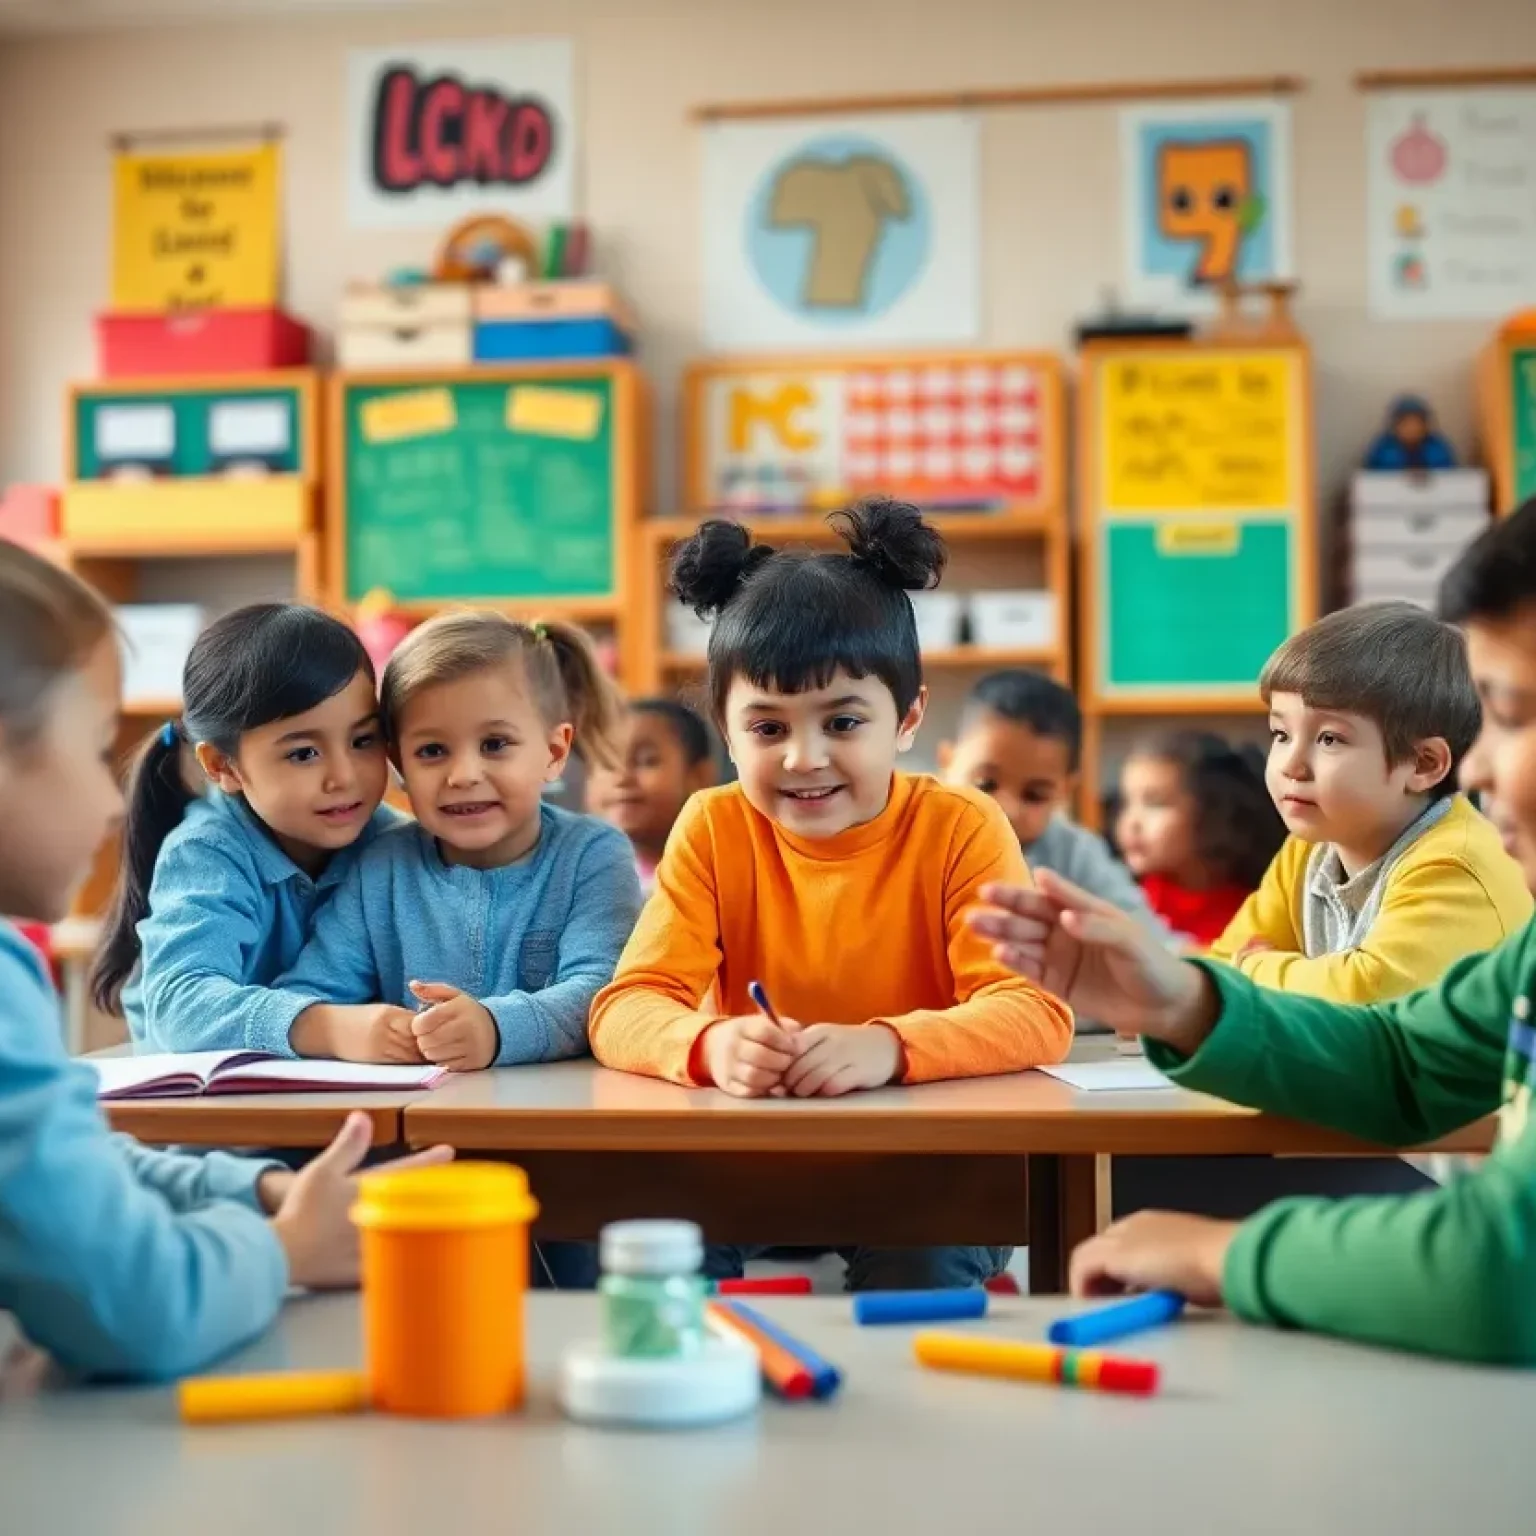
209 341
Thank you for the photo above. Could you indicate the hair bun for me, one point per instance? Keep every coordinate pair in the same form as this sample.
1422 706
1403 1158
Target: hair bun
892 540
709 569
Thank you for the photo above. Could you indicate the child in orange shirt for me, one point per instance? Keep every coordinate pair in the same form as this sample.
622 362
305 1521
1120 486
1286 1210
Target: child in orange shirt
838 883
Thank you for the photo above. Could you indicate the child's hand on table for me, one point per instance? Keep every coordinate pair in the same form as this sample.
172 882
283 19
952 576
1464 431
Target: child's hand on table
833 1059
1154 1251
453 1030
309 1209
375 1032
748 1056
1252 947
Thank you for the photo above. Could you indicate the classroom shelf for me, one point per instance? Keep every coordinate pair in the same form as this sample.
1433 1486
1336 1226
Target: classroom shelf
151 709
574 610
205 543
774 528
960 656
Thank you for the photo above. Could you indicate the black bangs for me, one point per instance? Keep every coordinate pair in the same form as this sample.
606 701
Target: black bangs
800 619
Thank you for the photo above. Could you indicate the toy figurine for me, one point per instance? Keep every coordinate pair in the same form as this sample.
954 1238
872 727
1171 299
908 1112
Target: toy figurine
1410 440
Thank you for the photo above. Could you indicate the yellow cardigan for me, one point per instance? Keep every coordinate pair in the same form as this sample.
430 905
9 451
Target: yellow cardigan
1453 892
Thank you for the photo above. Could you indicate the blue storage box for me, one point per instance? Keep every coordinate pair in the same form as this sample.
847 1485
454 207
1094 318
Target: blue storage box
510 341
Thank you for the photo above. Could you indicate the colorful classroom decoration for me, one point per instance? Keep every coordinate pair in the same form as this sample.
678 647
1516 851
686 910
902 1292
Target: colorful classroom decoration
835 235
196 228
1206 200
1411 440
1197 520
1451 201
1507 410
436 131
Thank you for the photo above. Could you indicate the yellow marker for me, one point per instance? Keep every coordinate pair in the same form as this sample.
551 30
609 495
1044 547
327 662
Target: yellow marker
573 413
1047 1363
283 1395
418 413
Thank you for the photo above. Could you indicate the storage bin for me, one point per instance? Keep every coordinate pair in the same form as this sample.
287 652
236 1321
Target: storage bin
687 633
201 341
939 618
1015 620
155 639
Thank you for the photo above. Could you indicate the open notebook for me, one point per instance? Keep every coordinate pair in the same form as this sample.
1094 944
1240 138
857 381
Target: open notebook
205 1072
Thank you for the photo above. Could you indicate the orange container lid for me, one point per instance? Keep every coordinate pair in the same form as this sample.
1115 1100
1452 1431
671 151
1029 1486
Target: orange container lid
445 1199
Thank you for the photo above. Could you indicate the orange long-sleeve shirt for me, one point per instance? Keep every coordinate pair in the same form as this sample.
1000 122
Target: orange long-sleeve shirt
867 927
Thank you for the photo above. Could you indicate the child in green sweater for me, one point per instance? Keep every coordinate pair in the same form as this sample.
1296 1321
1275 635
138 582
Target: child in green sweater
1451 1271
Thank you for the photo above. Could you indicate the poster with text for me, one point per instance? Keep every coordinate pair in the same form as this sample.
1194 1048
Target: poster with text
847 233
439 131
1451 203
192 229
1206 197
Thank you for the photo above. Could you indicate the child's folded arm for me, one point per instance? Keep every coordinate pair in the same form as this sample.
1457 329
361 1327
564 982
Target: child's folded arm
650 1018
338 964
551 1024
194 947
1449 1272
1396 1074
188 1183
999 1021
1268 917
1431 916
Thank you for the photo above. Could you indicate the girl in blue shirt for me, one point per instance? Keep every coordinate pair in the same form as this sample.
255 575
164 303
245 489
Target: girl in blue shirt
217 893
117 1260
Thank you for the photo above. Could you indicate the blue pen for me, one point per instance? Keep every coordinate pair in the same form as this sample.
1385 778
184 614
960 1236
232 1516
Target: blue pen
825 1377
759 996
1132 1315
918 1306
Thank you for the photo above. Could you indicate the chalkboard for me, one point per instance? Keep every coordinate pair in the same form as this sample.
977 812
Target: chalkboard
1523 397
203 429
479 489
1198 512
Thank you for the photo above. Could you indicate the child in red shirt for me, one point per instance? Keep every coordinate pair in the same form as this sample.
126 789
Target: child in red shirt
1198 828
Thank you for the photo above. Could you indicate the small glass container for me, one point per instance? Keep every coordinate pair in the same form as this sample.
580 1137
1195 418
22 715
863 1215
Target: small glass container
653 1294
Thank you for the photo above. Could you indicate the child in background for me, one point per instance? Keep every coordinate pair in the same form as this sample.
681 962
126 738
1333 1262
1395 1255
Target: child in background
1389 876
838 883
498 913
1447 1272
117 1260
1198 829
666 756
216 893
1021 737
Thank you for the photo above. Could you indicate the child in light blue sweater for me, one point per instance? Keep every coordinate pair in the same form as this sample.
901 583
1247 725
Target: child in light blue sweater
117 1260
216 894
492 922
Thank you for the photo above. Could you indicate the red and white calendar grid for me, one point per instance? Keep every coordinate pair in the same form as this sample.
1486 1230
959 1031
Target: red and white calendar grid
959 435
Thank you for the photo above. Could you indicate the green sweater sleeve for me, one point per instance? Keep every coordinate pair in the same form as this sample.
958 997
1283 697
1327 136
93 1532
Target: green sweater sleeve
1448 1272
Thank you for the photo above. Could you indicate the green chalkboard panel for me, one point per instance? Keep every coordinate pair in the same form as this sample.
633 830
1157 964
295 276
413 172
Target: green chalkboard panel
1523 396
480 489
199 430
1190 619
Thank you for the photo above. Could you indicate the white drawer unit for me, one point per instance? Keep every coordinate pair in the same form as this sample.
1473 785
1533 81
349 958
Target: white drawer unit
1408 530
428 325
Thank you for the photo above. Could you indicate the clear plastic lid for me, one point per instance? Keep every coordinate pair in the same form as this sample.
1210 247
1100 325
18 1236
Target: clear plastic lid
652 1247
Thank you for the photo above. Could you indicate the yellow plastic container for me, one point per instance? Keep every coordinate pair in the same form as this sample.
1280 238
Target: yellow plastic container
445 1272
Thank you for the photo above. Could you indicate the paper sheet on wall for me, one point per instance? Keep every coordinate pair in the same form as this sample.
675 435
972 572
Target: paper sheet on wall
421 413
1451 203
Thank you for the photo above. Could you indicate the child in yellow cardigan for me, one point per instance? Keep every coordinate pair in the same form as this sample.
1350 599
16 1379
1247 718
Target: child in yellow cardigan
1389 875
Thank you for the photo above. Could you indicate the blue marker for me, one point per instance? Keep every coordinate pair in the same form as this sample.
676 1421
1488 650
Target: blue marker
1116 1320
825 1377
918 1306
759 995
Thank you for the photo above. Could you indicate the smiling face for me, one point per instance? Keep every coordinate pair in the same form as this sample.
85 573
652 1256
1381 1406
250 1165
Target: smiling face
646 792
818 762
314 779
1501 767
475 753
1329 777
1029 775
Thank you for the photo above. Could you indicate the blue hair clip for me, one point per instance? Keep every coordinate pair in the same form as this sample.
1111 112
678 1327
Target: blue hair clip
168 734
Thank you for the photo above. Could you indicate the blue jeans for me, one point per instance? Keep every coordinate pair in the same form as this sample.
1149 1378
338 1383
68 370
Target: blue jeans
882 1269
562 1266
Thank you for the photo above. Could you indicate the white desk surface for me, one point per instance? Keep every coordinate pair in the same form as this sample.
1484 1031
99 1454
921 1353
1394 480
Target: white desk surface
1255 1432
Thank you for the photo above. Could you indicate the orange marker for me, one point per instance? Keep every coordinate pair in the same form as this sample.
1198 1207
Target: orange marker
285 1395
787 1376
1035 1362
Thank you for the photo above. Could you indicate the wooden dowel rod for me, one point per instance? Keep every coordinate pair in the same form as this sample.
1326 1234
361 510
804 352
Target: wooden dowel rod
1407 79
262 133
1001 96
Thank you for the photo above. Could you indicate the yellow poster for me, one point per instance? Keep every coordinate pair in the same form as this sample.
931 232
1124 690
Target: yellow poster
1198 431
195 229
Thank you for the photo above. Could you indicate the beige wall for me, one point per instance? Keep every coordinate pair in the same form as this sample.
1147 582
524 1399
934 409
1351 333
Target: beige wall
1051 236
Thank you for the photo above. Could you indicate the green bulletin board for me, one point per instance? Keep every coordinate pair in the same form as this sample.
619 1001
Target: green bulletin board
479 489
1523 396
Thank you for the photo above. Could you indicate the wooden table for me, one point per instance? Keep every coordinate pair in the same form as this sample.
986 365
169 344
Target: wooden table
1255 1432
1005 1160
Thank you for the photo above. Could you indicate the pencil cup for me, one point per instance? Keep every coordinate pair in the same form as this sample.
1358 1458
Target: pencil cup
445 1271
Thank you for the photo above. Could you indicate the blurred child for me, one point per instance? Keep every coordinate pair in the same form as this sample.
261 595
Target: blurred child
117 1260
1198 829
216 893
498 913
838 883
1389 875
665 756
1021 736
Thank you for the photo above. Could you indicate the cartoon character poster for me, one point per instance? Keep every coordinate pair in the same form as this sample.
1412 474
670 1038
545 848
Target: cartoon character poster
841 233
1207 198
